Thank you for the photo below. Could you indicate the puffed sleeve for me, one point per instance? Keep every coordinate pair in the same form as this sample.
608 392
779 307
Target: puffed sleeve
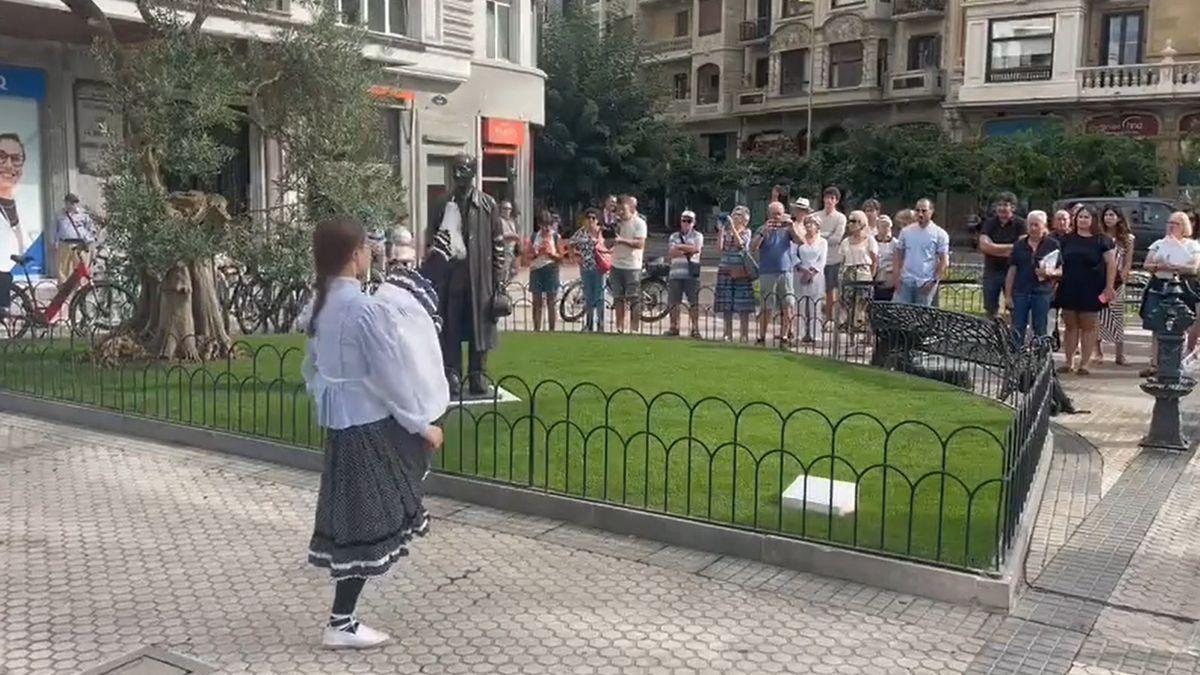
405 360
308 368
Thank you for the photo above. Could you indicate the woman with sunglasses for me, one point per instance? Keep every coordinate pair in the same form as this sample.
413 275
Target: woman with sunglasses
594 262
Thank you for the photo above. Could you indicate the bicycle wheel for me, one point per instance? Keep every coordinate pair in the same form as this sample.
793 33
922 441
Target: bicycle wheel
571 306
654 300
22 315
248 303
101 307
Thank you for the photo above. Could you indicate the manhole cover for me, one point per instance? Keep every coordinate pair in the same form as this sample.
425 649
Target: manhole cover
151 661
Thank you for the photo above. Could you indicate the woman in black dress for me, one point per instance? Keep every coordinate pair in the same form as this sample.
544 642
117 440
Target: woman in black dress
1089 271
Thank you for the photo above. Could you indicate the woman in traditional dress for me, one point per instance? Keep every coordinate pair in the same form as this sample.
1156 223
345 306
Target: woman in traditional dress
375 369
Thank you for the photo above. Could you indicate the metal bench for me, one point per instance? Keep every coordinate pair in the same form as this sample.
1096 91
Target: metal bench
953 347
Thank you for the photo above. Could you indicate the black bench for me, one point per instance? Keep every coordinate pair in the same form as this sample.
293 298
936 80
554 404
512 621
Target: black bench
952 347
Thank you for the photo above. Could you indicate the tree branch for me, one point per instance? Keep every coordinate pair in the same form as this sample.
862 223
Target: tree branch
92 16
202 9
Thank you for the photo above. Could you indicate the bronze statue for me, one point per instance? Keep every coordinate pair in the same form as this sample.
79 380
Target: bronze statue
465 262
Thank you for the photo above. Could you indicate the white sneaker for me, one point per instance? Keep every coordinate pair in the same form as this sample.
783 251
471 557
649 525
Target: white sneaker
364 637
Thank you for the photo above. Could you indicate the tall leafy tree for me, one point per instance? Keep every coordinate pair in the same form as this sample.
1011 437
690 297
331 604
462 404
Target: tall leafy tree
603 131
179 92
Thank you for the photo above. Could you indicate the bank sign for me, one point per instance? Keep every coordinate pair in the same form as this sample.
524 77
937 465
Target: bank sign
22 202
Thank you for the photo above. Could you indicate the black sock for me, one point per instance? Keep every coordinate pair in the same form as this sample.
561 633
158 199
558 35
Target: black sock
345 598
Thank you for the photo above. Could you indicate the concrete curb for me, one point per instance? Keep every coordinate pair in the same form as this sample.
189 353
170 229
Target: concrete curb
995 592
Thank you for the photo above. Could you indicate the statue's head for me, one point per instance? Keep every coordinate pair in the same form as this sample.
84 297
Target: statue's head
464 170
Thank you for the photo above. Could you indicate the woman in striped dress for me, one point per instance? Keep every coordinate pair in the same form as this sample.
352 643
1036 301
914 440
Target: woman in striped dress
1112 317
735 281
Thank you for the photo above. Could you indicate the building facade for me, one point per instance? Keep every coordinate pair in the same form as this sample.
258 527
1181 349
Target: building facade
1124 67
750 72
467 82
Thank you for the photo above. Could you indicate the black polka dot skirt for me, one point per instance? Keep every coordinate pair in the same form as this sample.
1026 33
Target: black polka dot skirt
369 505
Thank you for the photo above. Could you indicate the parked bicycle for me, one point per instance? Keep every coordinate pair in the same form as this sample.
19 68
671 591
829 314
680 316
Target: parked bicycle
654 305
94 304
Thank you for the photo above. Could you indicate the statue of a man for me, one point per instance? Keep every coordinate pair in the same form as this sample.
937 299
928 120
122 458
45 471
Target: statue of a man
465 261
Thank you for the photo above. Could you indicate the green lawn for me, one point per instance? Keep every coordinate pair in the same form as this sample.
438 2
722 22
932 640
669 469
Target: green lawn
695 429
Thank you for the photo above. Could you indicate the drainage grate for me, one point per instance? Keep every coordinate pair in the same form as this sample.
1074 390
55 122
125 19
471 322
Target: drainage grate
151 661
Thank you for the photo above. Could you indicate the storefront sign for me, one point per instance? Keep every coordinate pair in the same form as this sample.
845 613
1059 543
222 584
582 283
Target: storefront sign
390 94
22 205
1134 126
96 122
503 132
1190 124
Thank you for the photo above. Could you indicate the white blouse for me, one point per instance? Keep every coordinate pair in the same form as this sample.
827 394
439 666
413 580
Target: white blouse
812 256
375 356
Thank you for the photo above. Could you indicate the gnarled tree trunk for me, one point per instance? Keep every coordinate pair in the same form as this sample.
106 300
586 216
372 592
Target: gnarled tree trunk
179 317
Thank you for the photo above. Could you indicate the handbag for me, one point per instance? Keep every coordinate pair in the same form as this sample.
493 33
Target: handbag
603 259
693 269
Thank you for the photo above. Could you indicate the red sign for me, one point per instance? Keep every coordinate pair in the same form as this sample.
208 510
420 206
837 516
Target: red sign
390 94
1135 126
1190 124
503 132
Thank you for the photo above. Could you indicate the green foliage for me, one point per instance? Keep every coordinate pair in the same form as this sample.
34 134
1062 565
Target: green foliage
1046 165
603 133
182 91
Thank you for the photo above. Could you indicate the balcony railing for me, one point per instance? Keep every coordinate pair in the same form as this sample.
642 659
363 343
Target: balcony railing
902 7
756 29
1027 74
678 44
1168 78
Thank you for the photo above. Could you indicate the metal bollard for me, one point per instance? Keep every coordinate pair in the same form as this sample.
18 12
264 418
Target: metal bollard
1169 321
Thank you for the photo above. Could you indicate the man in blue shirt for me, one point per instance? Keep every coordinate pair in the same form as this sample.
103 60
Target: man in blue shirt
775 244
922 256
75 235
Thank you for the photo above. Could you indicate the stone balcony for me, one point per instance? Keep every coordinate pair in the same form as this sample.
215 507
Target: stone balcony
915 84
666 50
1167 79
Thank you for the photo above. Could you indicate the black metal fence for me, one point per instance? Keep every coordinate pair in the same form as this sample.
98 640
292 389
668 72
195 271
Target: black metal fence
905 488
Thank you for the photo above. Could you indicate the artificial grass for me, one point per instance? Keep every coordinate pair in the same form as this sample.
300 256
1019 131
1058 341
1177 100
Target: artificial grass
700 430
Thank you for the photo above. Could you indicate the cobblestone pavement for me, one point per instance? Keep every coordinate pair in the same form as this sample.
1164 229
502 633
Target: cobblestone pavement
112 545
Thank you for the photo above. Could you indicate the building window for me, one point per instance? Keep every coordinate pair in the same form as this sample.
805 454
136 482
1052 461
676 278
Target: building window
792 8
1021 50
683 23
498 175
762 72
1122 44
708 84
718 146
845 65
847 3
709 17
499 30
682 86
924 52
883 62
392 17
793 72
390 136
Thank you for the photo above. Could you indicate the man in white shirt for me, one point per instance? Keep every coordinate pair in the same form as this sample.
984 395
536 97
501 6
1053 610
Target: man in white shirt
627 250
833 229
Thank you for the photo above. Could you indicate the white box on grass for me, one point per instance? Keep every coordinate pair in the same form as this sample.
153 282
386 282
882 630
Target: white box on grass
818 497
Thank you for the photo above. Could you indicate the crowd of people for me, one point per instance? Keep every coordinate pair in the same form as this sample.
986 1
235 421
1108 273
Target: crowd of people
809 267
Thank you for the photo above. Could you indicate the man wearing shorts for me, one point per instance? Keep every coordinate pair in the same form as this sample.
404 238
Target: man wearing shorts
833 229
775 244
683 279
626 276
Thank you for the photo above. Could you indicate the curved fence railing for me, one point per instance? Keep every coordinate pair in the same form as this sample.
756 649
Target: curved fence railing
906 488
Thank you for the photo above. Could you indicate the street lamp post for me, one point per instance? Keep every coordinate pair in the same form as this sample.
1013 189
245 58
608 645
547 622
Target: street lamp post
812 74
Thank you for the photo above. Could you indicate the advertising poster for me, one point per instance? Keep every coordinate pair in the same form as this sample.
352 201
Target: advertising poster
22 204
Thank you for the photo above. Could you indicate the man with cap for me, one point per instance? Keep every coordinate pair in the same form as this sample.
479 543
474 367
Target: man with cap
683 279
74 236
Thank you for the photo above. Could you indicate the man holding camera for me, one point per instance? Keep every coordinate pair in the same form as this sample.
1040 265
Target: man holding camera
775 245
